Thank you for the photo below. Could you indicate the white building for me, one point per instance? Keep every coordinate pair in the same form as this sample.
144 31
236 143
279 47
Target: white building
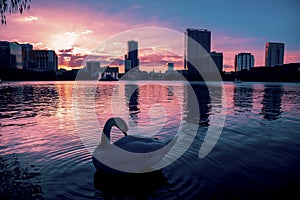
243 61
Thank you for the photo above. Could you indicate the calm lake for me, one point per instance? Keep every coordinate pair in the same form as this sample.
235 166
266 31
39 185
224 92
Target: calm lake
49 129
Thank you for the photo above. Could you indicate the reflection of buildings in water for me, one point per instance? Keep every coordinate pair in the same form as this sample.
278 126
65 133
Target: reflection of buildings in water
170 92
22 101
153 183
198 103
46 99
153 108
271 103
132 96
216 95
102 100
243 98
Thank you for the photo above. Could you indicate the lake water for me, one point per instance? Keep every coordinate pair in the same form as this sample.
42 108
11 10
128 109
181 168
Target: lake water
49 129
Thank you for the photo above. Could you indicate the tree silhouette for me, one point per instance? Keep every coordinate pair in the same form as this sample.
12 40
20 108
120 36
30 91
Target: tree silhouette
12 6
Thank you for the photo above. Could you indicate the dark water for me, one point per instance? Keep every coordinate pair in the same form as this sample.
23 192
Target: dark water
47 134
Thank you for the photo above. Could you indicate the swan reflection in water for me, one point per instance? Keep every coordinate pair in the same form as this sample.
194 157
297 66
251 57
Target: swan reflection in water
139 185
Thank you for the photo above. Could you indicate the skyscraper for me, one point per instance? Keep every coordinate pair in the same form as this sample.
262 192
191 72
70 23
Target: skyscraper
132 55
274 54
243 61
195 41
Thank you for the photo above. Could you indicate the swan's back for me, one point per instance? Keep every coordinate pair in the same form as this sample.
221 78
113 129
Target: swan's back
139 144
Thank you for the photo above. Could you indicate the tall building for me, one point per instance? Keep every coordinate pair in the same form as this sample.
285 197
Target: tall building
27 55
243 61
5 58
195 41
10 55
45 60
132 55
218 59
274 54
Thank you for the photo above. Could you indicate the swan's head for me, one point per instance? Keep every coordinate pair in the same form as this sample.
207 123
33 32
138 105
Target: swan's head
119 123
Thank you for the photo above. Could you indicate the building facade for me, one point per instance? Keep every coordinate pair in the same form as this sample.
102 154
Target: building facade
45 60
243 61
10 55
197 44
217 57
27 55
274 54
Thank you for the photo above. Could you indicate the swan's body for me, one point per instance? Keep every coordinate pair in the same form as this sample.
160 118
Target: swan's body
128 154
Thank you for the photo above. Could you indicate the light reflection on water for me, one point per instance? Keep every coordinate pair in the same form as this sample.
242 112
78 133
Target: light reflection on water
257 154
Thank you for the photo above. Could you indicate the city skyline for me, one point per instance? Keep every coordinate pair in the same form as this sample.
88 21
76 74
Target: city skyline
69 34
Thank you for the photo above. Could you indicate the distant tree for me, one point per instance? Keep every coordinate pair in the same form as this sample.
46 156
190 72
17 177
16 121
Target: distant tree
12 6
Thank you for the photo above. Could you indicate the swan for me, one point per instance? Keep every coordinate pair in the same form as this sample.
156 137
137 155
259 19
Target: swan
129 154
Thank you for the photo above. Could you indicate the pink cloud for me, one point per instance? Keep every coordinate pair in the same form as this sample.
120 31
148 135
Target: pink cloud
292 57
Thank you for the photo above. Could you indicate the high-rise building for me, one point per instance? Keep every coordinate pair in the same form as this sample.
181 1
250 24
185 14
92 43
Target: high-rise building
243 61
45 60
218 59
10 55
195 41
132 55
274 54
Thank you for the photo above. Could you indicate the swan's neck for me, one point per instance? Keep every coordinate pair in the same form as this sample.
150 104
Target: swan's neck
105 138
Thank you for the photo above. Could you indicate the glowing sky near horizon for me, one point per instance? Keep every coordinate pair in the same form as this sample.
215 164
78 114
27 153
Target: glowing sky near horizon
76 28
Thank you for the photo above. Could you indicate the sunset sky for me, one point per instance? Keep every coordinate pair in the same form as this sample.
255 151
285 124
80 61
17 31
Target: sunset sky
77 28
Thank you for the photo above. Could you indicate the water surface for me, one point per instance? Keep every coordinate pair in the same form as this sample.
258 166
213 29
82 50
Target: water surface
46 155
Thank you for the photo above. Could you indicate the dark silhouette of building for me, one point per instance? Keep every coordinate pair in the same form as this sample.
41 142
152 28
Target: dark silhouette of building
45 60
131 59
109 73
197 45
218 59
274 54
243 61
10 55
